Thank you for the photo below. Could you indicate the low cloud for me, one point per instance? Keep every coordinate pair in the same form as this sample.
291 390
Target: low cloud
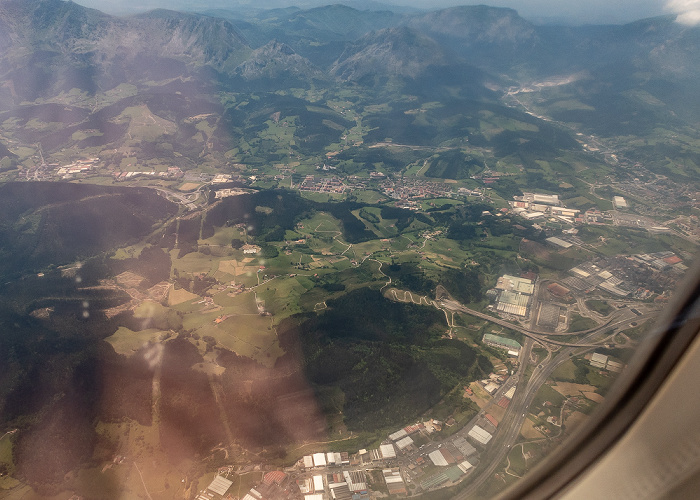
688 11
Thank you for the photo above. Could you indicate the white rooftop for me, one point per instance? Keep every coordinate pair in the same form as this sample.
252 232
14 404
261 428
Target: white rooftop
491 387
437 458
398 435
559 242
465 466
387 451
600 358
220 485
480 435
404 443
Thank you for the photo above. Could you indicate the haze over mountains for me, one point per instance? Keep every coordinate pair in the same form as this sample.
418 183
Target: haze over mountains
542 11
65 64
95 50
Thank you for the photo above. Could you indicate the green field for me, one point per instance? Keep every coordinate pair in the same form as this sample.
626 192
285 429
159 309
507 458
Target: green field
599 306
194 262
223 236
127 342
578 323
238 326
565 371
6 463
544 394
518 465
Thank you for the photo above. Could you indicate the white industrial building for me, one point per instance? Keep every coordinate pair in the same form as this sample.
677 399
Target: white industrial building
480 435
319 459
387 451
220 485
253 494
547 199
404 443
334 458
398 435
566 212
491 387
513 303
515 284
619 202
437 458
532 215
599 360
464 447
355 480
559 242
465 466
614 366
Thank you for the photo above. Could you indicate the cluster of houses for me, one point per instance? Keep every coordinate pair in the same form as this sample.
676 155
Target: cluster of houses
322 184
409 189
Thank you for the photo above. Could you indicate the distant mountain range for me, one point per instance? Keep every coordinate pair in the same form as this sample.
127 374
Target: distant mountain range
49 48
90 49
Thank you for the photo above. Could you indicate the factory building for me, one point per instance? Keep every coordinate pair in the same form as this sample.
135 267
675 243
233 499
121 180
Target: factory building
501 342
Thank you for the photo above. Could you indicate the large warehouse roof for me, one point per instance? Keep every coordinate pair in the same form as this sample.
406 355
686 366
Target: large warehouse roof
514 298
464 446
511 309
480 435
438 458
513 283
506 342
220 485
398 435
387 451
559 242
404 443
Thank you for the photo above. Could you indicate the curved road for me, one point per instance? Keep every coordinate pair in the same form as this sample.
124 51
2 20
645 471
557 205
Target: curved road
509 428
453 305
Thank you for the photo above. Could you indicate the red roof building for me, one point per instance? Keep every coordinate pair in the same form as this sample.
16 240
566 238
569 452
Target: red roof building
491 419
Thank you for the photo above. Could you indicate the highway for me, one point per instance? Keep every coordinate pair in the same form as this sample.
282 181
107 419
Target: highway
508 431
509 428
186 199
543 337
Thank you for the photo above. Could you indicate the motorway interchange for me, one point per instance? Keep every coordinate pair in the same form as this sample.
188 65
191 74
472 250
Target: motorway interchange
528 379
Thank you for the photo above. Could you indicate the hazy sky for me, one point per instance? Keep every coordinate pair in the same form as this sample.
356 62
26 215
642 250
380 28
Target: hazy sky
567 11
